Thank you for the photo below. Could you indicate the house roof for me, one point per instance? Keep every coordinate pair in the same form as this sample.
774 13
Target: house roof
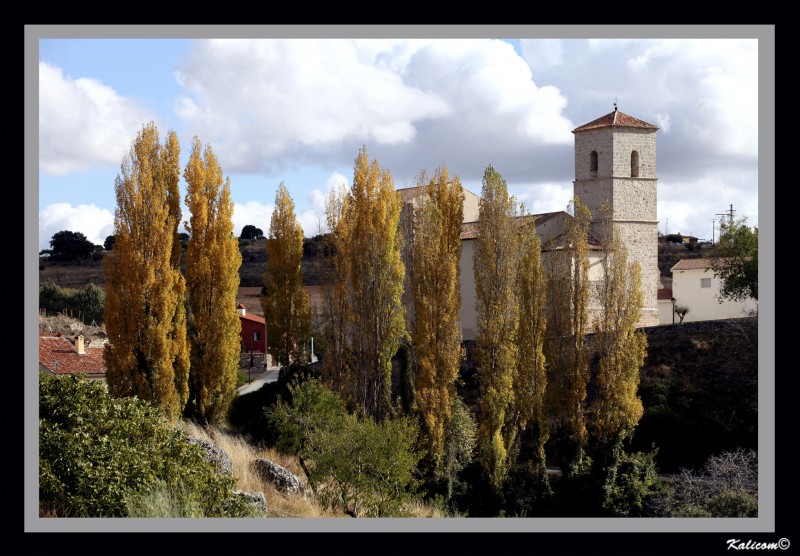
252 318
241 306
691 264
615 119
469 230
58 356
664 293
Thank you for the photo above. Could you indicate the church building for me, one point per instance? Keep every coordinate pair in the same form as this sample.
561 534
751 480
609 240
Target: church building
615 162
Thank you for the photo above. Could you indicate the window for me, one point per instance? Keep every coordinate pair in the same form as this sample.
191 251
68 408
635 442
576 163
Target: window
635 164
593 164
705 282
256 335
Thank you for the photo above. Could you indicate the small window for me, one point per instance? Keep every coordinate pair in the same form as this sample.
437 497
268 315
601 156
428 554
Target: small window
257 334
635 164
705 282
593 163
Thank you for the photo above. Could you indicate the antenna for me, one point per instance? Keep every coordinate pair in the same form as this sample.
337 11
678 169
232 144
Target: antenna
713 222
615 103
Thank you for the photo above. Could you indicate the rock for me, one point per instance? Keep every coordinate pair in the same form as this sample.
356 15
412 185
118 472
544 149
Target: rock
256 498
283 479
214 454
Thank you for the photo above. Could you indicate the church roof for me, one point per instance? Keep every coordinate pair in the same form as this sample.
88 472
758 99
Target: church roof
615 119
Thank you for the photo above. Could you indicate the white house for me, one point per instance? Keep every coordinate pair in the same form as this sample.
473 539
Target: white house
695 286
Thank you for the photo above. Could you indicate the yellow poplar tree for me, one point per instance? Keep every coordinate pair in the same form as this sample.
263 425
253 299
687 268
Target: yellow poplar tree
495 269
616 407
148 352
530 382
286 307
567 271
436 329
335 303
212 281
375 281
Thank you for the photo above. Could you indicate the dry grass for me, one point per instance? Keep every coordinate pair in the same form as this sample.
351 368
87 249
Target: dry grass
279 504
241 454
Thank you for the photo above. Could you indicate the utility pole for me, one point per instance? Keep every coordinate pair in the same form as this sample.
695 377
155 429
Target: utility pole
713 222
729 214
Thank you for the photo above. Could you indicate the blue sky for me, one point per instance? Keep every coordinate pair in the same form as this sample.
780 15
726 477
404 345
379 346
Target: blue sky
299 110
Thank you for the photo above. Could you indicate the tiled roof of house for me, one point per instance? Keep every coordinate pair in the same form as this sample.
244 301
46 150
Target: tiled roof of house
252 318
58 356
615 119
664 293
691 264
469 230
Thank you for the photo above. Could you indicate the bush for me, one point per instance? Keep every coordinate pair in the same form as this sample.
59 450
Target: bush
363 467
725 487
634 486
98 455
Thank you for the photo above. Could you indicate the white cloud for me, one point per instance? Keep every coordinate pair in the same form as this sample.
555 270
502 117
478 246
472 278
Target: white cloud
93 222
251 212
305 100
83 122
544 197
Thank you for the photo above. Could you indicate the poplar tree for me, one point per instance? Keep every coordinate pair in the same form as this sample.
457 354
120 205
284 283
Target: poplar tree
496 351
148 353
285 305
335 303
375 282
212 280
567 277
530 382
621 348
436 330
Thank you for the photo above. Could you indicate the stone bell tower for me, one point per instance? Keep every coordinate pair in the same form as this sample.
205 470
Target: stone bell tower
615 161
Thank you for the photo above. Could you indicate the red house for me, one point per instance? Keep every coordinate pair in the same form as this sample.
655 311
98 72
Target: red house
254 339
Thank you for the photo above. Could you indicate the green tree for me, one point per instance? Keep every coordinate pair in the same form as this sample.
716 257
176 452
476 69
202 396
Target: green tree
148 351
286 304
70 246
212 282
734 259
530 379
108 244
495 265
374 281
251 232
435 329
567 278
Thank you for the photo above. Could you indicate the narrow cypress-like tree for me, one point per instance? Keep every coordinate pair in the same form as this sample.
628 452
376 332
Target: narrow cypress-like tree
495 269
435 329
530 382
286 307
374 282
567 272
335 301
148 352
621 348
212 281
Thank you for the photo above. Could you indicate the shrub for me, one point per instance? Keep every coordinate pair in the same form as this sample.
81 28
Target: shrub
98 454
366 468
634 485
87 303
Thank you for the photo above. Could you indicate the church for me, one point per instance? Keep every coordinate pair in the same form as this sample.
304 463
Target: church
615 162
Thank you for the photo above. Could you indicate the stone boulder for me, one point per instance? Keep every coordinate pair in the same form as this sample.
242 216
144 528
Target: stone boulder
257 499
214 454
284 480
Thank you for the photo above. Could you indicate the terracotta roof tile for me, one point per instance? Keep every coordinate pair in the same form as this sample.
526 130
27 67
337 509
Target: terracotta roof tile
615 119
58 355
252 318
691 264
